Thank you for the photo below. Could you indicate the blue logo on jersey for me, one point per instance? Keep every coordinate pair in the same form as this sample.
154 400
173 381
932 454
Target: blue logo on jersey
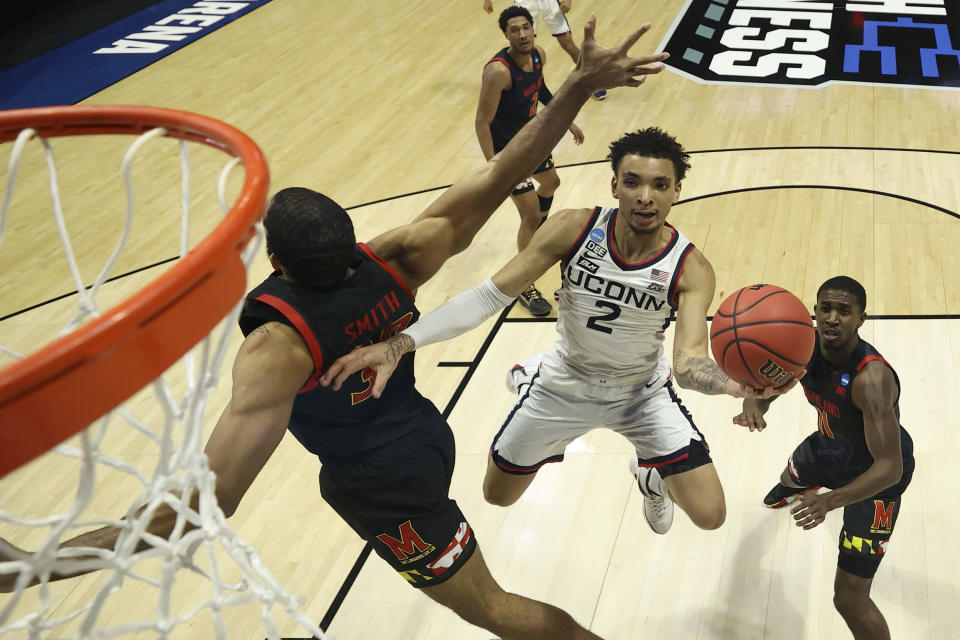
597 235
844 379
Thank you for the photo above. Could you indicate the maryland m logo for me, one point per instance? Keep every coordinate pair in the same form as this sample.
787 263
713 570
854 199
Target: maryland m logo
409 544
882 516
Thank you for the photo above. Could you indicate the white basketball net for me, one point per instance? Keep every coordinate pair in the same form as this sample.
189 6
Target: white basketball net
180 469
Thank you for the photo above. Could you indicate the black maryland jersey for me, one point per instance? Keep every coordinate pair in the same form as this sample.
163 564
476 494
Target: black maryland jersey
839 421
370 306
518 104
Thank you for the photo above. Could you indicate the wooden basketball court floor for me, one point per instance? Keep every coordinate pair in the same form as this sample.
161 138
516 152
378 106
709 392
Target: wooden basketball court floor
788 186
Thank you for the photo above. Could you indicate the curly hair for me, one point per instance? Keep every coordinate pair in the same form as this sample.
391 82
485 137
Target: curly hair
513 12
651 142
310 235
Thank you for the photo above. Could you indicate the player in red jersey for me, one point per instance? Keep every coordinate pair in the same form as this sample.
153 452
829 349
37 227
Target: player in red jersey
553 13
387 462
859 451
512 86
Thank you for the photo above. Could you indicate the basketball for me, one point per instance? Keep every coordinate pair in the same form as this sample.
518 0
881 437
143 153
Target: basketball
762 336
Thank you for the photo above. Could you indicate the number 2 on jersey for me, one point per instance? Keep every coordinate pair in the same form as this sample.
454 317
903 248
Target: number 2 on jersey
593 322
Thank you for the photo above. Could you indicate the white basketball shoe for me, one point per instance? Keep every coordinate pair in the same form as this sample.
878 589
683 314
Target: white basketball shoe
657 505
521 374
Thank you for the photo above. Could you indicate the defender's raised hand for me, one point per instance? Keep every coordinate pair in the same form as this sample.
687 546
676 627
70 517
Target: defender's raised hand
603 68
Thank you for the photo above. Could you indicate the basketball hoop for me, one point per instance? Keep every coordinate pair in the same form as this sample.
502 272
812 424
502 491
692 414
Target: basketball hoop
104 368
59 390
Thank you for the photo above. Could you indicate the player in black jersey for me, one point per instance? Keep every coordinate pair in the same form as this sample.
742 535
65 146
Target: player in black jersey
859 451
387 461
512 86
553 13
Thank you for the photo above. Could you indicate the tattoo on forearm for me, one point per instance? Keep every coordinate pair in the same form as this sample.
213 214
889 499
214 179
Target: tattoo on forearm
397 346
703 375
261 329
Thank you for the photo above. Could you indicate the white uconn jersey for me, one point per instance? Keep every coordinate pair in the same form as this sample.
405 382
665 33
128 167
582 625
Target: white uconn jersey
612 314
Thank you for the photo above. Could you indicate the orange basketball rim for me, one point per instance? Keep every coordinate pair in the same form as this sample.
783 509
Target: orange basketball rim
63 387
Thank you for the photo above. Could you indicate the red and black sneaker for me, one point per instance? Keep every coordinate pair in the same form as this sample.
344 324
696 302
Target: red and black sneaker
782 495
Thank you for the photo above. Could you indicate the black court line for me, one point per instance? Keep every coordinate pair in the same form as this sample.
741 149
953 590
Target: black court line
591 162
345 587
73 293
943 316
529 319
451 404
829 188
827 148
472 366
874 192
699 151
482 351
881 316
168 260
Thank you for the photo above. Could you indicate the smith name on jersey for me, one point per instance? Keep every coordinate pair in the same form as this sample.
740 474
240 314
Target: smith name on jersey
613 314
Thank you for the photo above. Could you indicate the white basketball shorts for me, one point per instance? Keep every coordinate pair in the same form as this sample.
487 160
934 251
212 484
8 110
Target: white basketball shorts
555 407
549 12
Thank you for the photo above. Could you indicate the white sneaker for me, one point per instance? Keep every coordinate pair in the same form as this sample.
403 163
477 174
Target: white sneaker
657 505
522 373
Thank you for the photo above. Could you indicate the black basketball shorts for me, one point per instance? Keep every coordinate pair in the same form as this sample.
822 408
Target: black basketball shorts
395 498
868 524
526 184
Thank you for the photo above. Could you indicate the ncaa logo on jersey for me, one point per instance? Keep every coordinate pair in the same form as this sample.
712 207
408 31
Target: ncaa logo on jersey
597 235
841 388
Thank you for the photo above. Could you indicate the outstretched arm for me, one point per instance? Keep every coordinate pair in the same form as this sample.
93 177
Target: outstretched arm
468 309
271 366
545 96
692 366
446 227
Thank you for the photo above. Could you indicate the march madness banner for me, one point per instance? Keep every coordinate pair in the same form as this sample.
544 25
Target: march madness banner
816 42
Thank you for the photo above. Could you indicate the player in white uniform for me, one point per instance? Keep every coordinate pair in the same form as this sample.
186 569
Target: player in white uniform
553 13
611 325
626 275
